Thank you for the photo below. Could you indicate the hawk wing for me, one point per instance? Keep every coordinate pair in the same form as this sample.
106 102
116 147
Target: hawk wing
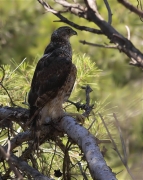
49 76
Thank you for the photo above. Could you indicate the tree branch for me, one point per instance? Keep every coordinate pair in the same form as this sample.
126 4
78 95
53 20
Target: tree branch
109 12
6 156
98 45
131 7
65 20
9 114
124 161
123 44
87 143
91 13
24 167
81 136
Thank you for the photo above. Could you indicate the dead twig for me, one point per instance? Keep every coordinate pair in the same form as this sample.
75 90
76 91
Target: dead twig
7 157
88 108
109 12
82 172
98 45
67 21
51 163
66 162
131 7
24 167
128 32
123 160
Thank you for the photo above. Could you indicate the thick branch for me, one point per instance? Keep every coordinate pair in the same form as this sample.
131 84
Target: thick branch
19 115
24 167
123 44
87 143
82 137
20 138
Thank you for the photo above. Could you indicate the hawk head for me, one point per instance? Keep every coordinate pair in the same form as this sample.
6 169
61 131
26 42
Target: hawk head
63 33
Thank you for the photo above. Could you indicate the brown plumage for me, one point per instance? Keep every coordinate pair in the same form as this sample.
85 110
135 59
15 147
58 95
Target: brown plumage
53 78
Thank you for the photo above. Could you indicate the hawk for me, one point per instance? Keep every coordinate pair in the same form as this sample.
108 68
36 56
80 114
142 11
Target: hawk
54 77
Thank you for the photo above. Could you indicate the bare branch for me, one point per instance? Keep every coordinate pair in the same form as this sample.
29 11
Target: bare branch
98 45
52 160
88 108
9 114
18 140
122 140
82 172
91 5
69 5
128 32
124 161
110 136
109 12
123 146
87 143
66 161
65 20
122 43
91 14
77 133
7 157
8 149
131 7
24 167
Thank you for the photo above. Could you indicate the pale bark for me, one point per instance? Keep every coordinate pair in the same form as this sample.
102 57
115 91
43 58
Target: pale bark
87 143
81 136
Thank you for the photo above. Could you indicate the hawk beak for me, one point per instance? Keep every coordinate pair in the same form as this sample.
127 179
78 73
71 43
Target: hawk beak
75 33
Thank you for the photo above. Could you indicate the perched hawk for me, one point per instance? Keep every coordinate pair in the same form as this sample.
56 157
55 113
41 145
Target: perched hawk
54 77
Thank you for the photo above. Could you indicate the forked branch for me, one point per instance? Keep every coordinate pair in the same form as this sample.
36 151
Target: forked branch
90 13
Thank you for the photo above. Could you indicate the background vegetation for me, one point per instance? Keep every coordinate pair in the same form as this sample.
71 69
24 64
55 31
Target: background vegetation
24 33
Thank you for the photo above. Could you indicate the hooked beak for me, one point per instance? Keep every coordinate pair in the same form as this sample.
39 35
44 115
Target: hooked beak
73 32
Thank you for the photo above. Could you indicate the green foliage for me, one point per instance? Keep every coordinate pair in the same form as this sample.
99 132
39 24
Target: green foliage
25 31
17 83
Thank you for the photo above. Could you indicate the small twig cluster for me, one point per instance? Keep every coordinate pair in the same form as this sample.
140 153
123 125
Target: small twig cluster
87 107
